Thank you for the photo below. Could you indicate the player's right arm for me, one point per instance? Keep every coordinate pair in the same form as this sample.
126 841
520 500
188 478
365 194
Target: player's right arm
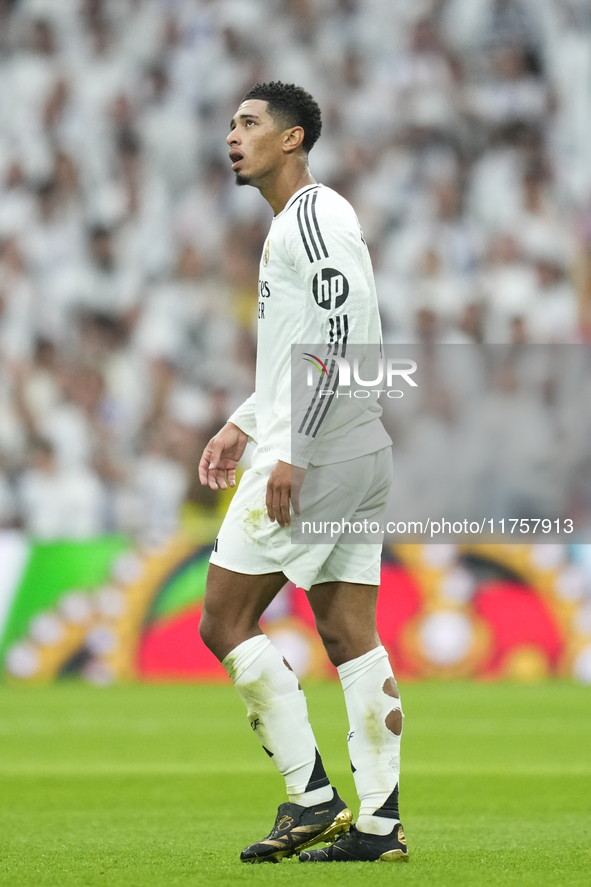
245 417
217 468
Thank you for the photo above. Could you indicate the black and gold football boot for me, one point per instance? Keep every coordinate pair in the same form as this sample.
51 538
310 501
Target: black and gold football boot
297 828
357 846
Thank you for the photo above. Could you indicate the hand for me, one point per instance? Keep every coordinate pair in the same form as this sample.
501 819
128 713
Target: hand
284 485
222 454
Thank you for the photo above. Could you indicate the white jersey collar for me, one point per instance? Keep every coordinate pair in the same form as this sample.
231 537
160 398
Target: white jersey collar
297 194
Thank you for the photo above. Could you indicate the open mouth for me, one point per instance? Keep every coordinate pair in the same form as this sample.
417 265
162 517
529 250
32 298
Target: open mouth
235 157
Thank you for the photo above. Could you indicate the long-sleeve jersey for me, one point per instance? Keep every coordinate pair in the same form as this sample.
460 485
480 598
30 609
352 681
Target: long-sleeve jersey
316 287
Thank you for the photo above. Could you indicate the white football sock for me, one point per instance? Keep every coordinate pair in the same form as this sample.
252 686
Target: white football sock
278 714
375 727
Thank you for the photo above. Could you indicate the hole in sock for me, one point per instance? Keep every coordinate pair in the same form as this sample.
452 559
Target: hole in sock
394 721
390 688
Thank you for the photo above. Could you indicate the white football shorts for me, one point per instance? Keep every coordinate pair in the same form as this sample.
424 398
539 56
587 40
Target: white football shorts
352 494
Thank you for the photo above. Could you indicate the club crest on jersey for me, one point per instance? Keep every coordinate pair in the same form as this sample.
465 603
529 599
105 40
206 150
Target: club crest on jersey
266 255
330 288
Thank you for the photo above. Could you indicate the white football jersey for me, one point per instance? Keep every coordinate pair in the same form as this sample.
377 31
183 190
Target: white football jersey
316 286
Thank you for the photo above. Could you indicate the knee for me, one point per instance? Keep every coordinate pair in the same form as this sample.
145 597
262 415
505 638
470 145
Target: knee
215 634
209 632
335 643
337 652
345 641
221 634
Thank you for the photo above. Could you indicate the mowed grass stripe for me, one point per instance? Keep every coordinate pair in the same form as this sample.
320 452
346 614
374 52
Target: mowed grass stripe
51 770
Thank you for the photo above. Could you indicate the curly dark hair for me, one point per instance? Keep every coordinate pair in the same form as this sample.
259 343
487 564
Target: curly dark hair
290 105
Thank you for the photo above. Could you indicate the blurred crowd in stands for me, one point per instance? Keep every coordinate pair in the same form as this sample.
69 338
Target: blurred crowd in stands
459 129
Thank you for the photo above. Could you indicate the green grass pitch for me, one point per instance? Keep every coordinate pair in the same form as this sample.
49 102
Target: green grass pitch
145 786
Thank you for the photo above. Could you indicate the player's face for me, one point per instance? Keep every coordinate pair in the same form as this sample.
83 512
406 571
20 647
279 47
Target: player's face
255 143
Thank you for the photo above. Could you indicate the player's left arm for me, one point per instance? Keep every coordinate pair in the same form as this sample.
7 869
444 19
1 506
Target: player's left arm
332 261
327 250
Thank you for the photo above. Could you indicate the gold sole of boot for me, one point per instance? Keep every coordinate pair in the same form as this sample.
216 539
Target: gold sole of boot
394 856
340 824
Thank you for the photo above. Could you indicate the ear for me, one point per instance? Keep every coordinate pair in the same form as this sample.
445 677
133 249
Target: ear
292 139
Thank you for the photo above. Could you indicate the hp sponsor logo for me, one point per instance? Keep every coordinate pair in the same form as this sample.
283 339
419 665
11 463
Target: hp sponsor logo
330 288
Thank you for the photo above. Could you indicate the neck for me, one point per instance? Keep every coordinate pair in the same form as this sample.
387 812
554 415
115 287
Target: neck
281 189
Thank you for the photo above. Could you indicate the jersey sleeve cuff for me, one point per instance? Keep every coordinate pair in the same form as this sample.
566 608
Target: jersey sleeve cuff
245 424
